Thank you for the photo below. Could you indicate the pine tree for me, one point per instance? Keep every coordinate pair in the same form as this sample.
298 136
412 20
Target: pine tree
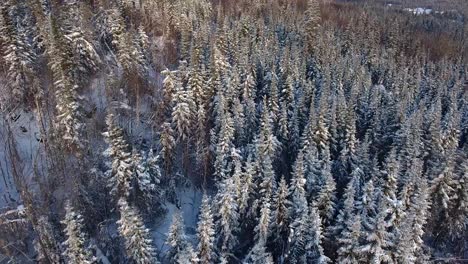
77 248
259 253
70 123
85 58
325 201
145 183
312 23
138 243
280 217
377 241
268 144
167 141
120 175
409 240
206 232
347 228
459 209
18 53
297 187
248 188
182 112
224 144
313 244
176 240
228 216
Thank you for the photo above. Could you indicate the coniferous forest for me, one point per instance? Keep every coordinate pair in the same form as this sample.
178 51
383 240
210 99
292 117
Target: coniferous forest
222 131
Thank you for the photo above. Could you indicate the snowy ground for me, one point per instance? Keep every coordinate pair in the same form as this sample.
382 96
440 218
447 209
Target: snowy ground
23 126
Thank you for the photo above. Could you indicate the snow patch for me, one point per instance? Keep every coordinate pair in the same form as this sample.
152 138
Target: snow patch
419 11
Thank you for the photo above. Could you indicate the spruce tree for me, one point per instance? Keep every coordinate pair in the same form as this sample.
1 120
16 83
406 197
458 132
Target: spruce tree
138 243
77 247
120 175
227 216
206 232
176 240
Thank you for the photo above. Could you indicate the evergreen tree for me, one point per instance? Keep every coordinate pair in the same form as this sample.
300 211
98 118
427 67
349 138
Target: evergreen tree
77 248
326 196
377 243
138 243
280 218
146 184
85 58
344 230
167 141
18 54
409 240
228 216
182 112
297 187
206 232
313 247
312 23
177 241
70 121
120 175
259 253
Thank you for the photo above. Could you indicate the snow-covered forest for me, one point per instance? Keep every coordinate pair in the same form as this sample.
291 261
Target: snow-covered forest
222 131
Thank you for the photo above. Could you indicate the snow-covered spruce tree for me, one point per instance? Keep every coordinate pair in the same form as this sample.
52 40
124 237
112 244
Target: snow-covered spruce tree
299 215
170 85
312 23
267 178
325 201
206 232
224 140
85 59
366 205
113 32
248 188
321 134
297 188
313 240
442 190
344 235
280 218
258 254
459 208
409 241
77 248
348 157
268 144
227 216
18 53
70 119
121 175
153 166
167 141
138 243
377 242
176 240
182 112
146 187
297 239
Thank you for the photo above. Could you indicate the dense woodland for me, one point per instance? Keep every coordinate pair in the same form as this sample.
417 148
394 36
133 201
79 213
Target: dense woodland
312 131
